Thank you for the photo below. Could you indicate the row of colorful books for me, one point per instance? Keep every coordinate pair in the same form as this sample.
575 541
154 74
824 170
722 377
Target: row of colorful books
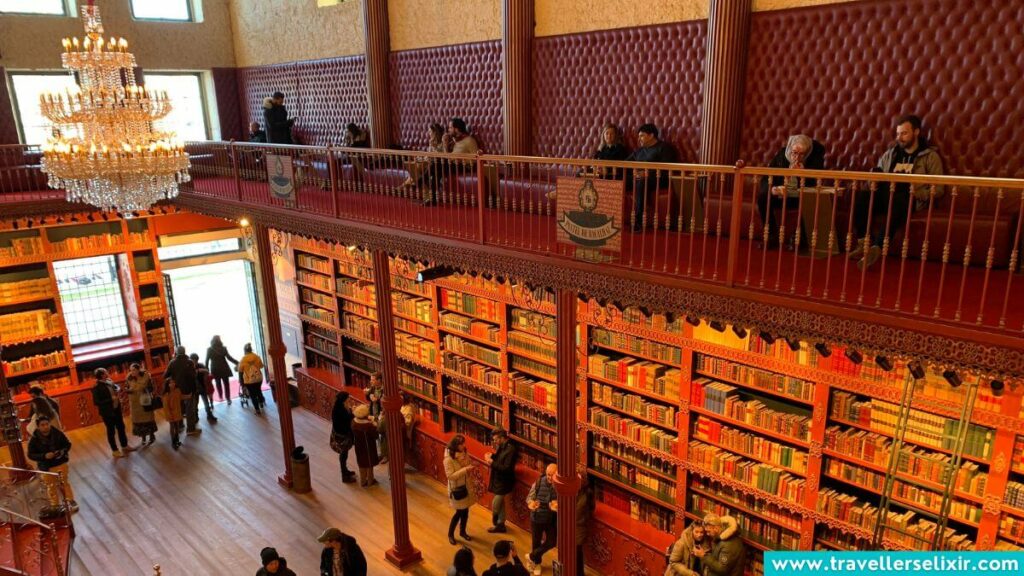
21 325
154 306
535 434
531 366
471 326
36 362
633 404
310 262
313 279
470 304
750 444
1014 496
419 308
532 344
728 401
766 533
357 289
354 270
317 343
630 429
29 246
472 370
80 243
316 313
411 285
22 289
361 327
759 475
743 501
754 377
637 479
637 508
414 347
359 309
532 321
472 349
634 373
474 407
656 350
536 391
417 384
411 327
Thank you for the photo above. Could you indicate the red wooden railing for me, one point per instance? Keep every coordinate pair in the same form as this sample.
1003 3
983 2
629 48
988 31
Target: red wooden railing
954 258
30 544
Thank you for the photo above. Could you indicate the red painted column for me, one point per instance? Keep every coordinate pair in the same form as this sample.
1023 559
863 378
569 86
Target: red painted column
516 72
275 349
567 483
378 50
725 67
403 553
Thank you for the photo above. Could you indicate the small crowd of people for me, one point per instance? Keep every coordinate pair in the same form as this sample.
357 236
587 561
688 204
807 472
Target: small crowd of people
185 382
712 546
341 556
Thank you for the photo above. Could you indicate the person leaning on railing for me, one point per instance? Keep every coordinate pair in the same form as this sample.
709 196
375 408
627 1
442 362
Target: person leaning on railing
648 182
778 192
911 154
457 140
49 448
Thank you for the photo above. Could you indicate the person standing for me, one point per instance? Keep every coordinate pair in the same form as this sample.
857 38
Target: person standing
342 556
364 439
49 448
506 561
462 564
341 434
140 386
183 372
457 468
250 371
108 404
728 555
374 395
42 405
503 476
217 358
204 387
273 564
172 410
543 504
275 118
681 560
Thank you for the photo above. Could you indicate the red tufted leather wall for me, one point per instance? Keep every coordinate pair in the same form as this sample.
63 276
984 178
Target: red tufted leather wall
225 86
434 84
8 127
325 95
842 73
629 76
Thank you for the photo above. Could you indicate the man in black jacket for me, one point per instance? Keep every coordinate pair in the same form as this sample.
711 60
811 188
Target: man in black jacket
275 118
503 477
108 404
507 562
342 556
647 182
49 449
183 372
800 153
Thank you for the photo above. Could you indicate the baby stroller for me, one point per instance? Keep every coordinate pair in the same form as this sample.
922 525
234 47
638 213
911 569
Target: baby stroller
243 393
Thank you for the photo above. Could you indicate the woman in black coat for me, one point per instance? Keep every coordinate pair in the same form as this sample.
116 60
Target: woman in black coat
341 546
341 434
217 358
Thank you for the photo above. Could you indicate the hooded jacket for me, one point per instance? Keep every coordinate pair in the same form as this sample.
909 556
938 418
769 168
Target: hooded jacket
353 563
728 557
681 561
926 162
279 126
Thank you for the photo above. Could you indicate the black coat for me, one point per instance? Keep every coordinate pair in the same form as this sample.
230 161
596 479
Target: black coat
183 372
258 137
282 570
341 419
503 469
613 152
103 397
40 445
217 358
352 560
814 161
516 568
279 126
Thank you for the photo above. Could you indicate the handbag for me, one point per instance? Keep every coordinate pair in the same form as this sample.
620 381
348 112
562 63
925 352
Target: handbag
460 492
156 403
146 398
340 443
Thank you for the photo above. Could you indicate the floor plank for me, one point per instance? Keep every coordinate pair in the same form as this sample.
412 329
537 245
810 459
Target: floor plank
211 507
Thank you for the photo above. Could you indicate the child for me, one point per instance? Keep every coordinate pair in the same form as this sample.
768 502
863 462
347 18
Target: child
204 386
173 411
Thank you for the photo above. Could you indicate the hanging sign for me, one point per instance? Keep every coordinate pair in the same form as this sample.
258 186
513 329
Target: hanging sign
281 178
589 214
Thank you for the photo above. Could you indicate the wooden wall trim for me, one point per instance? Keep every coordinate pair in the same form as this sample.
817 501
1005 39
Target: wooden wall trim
936 343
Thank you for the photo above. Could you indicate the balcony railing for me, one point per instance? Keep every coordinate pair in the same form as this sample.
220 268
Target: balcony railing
948 248
35 523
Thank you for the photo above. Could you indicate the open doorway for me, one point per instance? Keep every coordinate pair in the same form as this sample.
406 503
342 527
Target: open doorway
215 299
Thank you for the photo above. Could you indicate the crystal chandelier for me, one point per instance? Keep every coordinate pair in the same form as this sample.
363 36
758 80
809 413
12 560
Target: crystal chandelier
104 149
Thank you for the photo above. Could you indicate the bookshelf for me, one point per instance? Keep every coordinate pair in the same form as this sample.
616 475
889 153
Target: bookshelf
36 345
677 420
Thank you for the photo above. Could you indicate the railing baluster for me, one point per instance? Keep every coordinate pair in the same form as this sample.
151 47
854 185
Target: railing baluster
968 250
1014 260
735 216
990 255
945 251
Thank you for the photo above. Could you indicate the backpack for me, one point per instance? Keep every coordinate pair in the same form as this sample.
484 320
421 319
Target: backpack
252 374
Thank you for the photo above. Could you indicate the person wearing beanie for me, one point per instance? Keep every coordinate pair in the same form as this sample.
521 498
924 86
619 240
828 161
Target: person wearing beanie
342 556
506 561
273 563
364 440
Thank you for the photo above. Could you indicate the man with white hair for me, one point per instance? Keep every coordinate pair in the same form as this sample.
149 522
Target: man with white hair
781 193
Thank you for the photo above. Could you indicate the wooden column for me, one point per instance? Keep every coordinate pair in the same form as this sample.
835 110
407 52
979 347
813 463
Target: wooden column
567 483
517 45
276 349
403 553
725 66
378 50
8 125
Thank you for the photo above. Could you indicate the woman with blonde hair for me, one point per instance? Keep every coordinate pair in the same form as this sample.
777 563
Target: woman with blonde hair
457 467
140 397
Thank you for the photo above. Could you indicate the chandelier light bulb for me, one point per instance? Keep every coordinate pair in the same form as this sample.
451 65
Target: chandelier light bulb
104 148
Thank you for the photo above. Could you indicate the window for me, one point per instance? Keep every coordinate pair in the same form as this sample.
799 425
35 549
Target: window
162 10
188 113
166 253
56 7
27 88
90 293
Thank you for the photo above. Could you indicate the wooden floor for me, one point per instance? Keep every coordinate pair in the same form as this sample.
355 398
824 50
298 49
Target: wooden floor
211 507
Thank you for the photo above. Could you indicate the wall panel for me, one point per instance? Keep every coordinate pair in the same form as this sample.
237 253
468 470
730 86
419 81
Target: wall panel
957 63
434 84
628 76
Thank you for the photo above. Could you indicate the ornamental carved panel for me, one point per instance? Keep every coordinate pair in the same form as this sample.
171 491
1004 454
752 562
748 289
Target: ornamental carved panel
599 551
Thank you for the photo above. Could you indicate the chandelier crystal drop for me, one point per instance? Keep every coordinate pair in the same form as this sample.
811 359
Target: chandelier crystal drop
104 149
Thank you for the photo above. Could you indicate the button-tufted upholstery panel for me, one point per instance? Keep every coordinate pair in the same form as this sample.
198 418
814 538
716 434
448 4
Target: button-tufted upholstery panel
628 76
325 95
434 84
8 128
225 86
843 72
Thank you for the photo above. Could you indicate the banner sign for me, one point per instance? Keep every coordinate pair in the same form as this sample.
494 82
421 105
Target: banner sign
589 215
281 178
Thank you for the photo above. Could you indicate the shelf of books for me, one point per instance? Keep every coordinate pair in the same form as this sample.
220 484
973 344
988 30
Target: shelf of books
36 345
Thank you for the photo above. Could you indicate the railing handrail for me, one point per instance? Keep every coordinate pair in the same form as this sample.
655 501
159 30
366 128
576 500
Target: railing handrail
26 518
27 471
945 179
